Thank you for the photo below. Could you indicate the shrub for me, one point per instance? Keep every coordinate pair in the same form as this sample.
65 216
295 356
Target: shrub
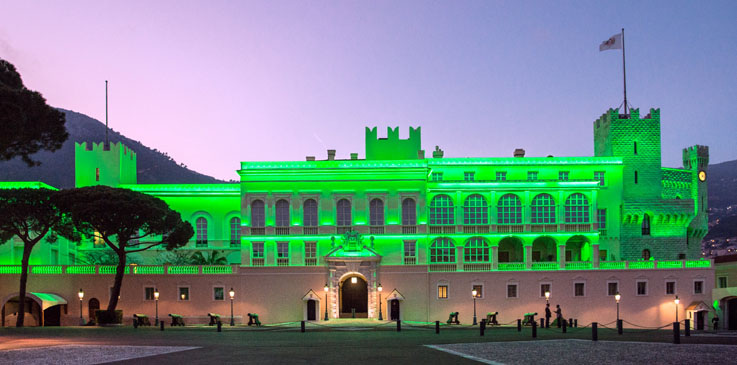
106 317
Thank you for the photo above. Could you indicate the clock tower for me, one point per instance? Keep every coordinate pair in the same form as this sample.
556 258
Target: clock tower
696 159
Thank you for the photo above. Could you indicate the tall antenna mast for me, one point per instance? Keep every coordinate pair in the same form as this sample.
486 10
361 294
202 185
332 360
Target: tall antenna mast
106 140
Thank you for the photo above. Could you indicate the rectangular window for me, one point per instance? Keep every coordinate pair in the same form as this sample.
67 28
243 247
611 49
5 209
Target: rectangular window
544 288
97 174
563 175
511 290
310 250
442 292
436 176
258 250
282 250
148 293
670 288
218 293
601 176
468 176
579 289
183 293
698 287
479 290
501 176
601 218
531 175
641 288
635 177
410 248
612 288
722 282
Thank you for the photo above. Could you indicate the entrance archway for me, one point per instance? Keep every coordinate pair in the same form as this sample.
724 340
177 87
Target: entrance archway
544 249
353 297
511 249
578 248
311 310
394 309
93 306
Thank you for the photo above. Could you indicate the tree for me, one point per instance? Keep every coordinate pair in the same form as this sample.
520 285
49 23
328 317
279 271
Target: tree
214 258
27 123
105 257
121 217
30 215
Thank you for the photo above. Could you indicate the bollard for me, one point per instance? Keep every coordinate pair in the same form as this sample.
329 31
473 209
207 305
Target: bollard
220 326
687 327
399 326
594 331
437 327
676 333
162 325
575 323
619 326
482 327
302 326
564 324
534 329
519 325
542 322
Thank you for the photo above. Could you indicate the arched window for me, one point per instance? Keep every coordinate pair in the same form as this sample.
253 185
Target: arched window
201 225
442 250
310 213
475 210
476 250
646 254
646 225
376 211
235 231
543 209
282 213
510 209
441 210
344 212
577 208
258 217
409 212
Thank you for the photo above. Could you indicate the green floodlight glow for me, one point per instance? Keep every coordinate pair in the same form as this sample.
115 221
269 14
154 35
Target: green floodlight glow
25 185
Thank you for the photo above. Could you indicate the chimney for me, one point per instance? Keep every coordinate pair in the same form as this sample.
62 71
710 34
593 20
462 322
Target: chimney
354 156
421 154
519 152
331 155
310 158
438 153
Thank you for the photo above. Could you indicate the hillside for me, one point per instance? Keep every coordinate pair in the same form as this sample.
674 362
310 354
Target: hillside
57 169
722 201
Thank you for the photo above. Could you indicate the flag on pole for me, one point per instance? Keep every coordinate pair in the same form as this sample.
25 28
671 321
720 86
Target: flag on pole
614 42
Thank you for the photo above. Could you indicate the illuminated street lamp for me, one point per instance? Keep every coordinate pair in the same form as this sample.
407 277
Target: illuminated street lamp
617 297
81 296
380 288
326 301
232 295
547 297
676 301
156 300
473 293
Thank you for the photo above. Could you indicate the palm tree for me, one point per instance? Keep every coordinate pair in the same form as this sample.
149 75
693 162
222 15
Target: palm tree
214 258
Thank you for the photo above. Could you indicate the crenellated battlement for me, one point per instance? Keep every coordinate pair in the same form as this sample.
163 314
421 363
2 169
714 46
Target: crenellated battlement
612 115
103 163
392 147
696 157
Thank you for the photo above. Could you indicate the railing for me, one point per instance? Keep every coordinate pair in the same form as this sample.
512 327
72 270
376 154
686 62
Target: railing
670 264
510 228
376 229
282 231
217 269
641 264
128 269
185 270
545 265
698 263
584 227
410 260
145 270
257 261
343 229
544 228
110 269
87 269
235 244
512 266
311 261
46 269
409 229
442 229
442 267
475 267
259 231
309 230
579 265
282 261
475 229
613 265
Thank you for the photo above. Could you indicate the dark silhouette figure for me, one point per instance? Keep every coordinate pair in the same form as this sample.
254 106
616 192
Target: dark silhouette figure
558 314
548 314
715 323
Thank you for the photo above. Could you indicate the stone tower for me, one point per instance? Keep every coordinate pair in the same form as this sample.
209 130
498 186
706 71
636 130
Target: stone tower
393 148
109 164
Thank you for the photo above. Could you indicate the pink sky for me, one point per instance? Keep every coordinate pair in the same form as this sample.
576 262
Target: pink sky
214 83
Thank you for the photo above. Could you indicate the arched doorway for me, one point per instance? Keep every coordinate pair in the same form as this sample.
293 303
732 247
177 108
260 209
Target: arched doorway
354 297
93 306
731 313
394 309
39 309
511 250
544 249
578 248
311 310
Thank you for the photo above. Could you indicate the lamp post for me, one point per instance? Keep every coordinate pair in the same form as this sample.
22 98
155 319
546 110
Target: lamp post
232 295
326 301
473 293
380 288
156 300
547 297
676 301
617 297
81 296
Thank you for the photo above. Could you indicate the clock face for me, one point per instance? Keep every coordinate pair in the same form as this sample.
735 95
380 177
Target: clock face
702 175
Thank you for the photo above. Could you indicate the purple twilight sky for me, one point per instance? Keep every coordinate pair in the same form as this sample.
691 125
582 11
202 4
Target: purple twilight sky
214 83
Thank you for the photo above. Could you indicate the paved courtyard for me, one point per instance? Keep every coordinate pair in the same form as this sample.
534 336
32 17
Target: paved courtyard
363 343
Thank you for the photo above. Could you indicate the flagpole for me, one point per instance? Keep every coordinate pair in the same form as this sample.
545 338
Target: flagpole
624 75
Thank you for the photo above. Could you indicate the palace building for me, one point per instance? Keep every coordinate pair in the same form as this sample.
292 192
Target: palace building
319 239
